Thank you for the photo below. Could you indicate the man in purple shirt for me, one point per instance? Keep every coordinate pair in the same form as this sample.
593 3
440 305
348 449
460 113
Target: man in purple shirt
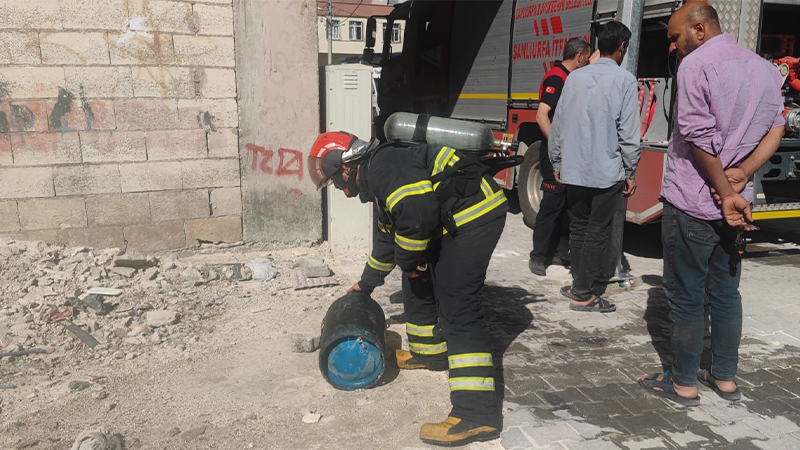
728 123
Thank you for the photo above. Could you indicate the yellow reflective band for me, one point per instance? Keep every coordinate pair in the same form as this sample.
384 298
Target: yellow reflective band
383 229
419 330
472 384
470 360
410 189
412 245
479 209
428 349
487 190
380 266
442 158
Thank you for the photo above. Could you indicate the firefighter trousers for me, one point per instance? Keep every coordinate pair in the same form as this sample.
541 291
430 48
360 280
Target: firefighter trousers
444 314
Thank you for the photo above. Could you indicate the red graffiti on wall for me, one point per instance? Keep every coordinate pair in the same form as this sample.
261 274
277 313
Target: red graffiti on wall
290 162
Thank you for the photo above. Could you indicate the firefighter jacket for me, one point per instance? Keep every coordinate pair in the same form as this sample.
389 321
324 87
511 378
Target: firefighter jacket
408 211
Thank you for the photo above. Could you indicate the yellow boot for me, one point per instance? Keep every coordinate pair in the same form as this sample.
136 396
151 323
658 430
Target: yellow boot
454 432
407 361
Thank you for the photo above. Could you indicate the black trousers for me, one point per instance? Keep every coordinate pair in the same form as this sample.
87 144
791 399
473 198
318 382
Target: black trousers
593 213
551 217
444 306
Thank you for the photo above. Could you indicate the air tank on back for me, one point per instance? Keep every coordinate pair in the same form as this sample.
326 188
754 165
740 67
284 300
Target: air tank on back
458 134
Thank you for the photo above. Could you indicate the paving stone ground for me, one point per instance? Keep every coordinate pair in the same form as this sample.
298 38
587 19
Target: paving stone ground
569 378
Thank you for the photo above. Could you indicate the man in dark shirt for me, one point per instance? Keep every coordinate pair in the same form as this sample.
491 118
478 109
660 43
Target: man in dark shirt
547 228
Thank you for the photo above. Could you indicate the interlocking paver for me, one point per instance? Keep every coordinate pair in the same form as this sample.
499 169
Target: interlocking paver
642 404
773 427
594 444
684 438
554 432
565 397
736 431
607 392
514 438
785 443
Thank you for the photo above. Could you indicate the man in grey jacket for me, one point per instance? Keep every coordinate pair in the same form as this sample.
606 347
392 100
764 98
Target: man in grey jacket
594 147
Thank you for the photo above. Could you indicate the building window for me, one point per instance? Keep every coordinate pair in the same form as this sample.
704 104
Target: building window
335 30
395 32
356 31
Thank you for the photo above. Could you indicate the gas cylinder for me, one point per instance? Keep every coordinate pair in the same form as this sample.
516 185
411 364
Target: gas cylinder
458 134
352 343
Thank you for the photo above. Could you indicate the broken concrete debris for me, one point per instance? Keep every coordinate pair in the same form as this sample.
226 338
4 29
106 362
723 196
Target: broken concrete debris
314 268
98 439
111 292
77 386
134 261
311 418
300 281
161 318
262 269
126 272
304 342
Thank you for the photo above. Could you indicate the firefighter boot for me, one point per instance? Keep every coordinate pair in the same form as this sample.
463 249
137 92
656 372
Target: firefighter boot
407 361
454 432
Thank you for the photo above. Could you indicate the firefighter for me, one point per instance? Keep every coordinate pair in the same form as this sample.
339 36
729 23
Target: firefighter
441 232
550 218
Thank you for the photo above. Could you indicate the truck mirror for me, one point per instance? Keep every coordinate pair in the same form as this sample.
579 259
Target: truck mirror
372 25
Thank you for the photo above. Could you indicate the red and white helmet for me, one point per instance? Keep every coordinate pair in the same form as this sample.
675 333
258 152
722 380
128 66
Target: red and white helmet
330 151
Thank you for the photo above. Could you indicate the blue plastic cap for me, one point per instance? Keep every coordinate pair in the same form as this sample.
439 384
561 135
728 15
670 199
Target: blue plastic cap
354 364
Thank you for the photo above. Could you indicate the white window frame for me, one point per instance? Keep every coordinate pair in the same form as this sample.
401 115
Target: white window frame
396 29
335 30
356 25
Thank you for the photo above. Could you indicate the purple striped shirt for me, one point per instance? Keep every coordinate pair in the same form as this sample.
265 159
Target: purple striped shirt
728 99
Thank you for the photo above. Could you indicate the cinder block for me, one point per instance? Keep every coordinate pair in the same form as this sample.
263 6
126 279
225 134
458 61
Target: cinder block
19 47
155 236
86 179
223 143
52 213
40 149
204 51
226 202
119 209
26 182
31 14
214 19
208 114
155 176
94 14
74 48
80 114
9 217
6 159
172 205
163 82
48 236
211 173
105 82
104 237
142 49
222 229
176 144
32 82
113 146
146 114
32 115
218 83
166 16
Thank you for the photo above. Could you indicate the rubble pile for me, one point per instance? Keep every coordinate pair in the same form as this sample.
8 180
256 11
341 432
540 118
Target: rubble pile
120 303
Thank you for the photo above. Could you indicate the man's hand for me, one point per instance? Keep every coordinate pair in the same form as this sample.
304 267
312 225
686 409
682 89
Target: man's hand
736 211
630 187
738 180
354 288
557 177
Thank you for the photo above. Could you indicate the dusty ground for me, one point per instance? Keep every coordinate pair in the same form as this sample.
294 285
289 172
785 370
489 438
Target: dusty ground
224 376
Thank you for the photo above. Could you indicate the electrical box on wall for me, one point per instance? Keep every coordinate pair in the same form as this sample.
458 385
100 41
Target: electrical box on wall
349 107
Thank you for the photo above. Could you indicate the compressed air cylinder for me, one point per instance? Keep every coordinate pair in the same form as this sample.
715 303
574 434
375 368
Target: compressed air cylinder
458 134
352 343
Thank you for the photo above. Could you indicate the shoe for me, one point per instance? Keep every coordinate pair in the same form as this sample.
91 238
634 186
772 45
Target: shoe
454 431
407 361
537 268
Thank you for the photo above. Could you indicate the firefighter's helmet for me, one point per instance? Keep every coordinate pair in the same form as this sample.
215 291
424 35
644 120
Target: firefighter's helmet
330 152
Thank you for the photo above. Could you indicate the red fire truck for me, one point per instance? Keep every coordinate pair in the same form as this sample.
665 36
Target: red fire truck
484 61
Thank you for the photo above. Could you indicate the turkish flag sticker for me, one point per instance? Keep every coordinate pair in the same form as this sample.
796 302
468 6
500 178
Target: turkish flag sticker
550 90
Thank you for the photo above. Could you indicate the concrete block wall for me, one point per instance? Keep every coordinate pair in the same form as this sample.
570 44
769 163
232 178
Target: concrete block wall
119 122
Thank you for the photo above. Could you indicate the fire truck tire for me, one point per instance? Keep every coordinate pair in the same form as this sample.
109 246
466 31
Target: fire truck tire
529 185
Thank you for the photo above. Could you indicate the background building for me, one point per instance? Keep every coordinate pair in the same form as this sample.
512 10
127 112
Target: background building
350 27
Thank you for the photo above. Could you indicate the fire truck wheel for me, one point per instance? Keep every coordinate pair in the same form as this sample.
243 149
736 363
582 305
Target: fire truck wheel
529 185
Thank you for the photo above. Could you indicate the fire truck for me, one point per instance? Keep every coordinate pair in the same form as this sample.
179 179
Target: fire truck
484 61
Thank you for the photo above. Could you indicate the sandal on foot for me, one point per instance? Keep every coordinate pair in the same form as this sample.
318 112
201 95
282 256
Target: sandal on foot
599 304
667 389
566 291
708 380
